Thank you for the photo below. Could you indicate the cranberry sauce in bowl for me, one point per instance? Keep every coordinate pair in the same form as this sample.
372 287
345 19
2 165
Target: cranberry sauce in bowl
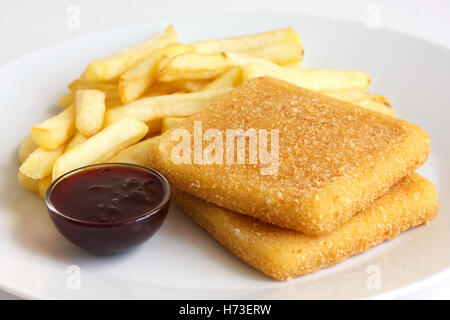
108 208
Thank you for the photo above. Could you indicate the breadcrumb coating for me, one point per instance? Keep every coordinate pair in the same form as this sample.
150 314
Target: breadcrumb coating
282 254
334 157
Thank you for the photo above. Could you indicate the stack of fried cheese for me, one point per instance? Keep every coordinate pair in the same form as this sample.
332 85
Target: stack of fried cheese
342 179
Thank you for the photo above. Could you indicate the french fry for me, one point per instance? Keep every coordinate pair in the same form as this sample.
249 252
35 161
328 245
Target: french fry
280 53
39 164
162 63
230 78
364 99
67 99
102 146
27 182
80 84
76 140
295 65
193 66
170 122
135 154
89 111
159 89
154 126
380 98
174 105
112 98
240 59
173 50
188 85
348 95
109 68
52 133
376 106
312 79
114 106
249 42
138 78
26 148
43 185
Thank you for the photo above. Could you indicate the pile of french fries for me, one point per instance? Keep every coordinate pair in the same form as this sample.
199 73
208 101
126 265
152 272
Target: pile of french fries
122 101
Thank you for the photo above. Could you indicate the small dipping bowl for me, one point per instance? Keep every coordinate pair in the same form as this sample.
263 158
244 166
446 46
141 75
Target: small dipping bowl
108 208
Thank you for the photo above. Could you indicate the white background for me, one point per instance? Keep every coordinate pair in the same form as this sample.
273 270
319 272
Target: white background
29 25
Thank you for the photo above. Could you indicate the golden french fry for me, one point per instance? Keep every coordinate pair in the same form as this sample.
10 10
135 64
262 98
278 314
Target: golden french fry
295 65
39 163
380 98
348 95
89 111
163 62
109 68
66 100
280 53
138 78
102 146
174 105
114 106
43 185
313 79
193 66
27 182
135 154
154 94
76 140
53 132
26 148
112 98
188 85
240 59
154 126
230 78
364 99
159 89
249 42
173 50
79 84
376 106
170 122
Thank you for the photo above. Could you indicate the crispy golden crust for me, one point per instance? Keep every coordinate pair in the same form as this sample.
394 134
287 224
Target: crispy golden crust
282 254
335 158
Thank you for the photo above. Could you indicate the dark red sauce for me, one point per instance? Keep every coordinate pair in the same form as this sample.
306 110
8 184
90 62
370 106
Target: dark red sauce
107 194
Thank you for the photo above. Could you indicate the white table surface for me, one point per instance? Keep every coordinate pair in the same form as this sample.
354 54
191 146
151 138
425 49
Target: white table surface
29 25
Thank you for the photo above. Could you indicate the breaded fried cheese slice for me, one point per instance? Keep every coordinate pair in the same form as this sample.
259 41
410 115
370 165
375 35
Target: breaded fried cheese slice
282 254
318 160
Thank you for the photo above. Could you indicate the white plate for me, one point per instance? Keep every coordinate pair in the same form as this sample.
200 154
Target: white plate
181 261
